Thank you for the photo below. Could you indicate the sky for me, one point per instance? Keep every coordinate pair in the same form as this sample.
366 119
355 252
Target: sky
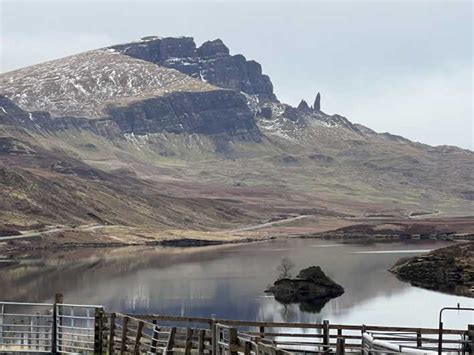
404 67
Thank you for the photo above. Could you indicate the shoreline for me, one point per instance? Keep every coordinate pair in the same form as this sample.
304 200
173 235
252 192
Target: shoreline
360 231
196 243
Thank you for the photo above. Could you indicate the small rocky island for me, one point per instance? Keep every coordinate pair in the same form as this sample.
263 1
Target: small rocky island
311 288
449 270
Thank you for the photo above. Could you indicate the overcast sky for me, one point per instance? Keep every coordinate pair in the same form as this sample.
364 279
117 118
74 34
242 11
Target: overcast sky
404 67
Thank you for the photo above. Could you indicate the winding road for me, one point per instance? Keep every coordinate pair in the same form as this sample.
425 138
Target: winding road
268 224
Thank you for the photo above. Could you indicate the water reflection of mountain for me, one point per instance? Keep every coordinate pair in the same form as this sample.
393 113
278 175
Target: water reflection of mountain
227 280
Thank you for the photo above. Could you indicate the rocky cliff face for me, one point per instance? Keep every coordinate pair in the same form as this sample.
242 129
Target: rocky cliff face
222 114
211 62
213 113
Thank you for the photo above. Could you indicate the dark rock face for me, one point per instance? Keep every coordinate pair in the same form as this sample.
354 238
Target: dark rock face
11 114
222 114
211 62
312 288
265 112
215 48
317 103
448 270
213 113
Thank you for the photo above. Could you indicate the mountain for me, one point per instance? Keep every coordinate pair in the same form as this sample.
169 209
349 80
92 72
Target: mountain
211 62
162 134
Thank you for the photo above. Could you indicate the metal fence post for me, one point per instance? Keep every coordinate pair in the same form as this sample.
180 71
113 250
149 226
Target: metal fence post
440 338
233 341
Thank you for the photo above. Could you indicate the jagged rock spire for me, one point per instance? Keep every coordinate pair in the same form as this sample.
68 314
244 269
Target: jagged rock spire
317 103
303 105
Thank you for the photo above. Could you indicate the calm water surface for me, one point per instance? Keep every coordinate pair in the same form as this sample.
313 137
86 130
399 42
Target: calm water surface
229 281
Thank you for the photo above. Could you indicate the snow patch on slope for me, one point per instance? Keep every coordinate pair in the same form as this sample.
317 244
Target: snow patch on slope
84 85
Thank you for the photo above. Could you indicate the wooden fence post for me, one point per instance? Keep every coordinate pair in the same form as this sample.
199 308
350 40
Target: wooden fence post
138 337
202 339
247 348
470 338
214 336
98 330
170 342
326 339
123 346
189 341
154 337
58 299
419 342
341 346
112 333
362 331
233 341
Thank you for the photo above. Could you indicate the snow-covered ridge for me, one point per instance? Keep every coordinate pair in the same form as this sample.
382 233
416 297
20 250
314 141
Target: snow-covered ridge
83 85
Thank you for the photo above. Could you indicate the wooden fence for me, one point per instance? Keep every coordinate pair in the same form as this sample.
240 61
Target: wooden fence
195 335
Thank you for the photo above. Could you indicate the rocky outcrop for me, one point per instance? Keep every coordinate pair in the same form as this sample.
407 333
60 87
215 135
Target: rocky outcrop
448 270
311 288
317 103
303 106
211 62
11 114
